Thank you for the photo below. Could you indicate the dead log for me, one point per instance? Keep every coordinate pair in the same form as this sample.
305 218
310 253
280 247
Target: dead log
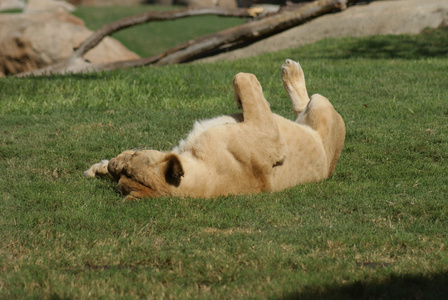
197 48
75 63
249 32
153 16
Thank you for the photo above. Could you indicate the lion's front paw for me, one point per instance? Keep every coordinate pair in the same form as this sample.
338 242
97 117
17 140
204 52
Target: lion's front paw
97 169
117 164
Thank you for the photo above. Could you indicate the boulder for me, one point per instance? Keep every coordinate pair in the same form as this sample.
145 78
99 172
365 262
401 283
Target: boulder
34 40
107 2
200 3
11 4
34 6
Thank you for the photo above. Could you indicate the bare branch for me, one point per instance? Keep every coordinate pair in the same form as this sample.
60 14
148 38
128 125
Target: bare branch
250 32
153 16
197 48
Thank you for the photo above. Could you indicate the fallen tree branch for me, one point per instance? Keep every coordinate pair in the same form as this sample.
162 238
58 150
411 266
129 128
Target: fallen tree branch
152 16
200 47
250 32
75 63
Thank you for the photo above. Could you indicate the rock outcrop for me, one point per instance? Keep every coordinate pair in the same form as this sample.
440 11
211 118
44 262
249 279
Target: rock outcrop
11 5
37 39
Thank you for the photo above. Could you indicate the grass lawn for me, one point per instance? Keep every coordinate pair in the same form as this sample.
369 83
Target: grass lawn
378 229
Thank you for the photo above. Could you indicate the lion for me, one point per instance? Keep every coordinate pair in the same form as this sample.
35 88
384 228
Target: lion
245 153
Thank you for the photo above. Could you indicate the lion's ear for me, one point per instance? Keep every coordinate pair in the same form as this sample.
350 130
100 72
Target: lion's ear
173 169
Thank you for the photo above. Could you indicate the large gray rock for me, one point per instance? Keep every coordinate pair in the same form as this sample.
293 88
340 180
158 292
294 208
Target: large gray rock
107 2
379 17
11 4
207 3
34 6
33 40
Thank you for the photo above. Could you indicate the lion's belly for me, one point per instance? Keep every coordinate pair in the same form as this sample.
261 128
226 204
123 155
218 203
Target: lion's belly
218 174
215 166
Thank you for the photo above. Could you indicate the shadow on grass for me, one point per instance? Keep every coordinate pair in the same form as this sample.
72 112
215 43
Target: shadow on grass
430 43
434 286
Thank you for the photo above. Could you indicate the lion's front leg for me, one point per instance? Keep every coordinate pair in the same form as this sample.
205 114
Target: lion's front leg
98 169
259 137
117 164
250 99
112 168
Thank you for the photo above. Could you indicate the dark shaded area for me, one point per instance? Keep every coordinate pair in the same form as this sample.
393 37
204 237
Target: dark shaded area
430 43
433 43
417 286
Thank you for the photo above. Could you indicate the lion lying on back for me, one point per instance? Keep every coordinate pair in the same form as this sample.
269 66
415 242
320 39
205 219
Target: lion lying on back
240 154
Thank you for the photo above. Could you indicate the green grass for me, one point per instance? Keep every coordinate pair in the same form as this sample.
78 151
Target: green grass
155 37
376 229
11 11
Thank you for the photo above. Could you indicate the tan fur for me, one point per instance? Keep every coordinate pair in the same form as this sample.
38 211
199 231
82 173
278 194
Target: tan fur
239 154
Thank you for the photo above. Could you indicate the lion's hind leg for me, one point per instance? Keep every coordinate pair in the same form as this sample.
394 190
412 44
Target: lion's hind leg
321 116
294 83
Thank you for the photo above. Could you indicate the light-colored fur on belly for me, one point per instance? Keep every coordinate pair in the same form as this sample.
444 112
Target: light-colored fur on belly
200 126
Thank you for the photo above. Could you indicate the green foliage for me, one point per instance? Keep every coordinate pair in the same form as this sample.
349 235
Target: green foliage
376 229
